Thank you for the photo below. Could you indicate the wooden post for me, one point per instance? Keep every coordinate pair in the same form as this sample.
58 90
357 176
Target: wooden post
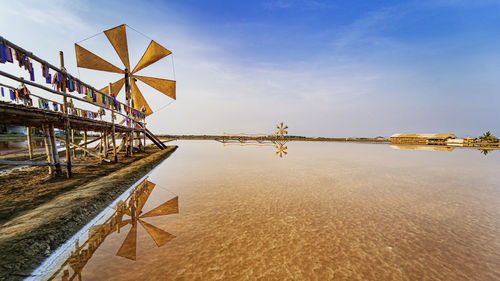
131 140
54 150
48 149
30 145
73 141
106 144
65 108
138 138
85 142
100 142
115 149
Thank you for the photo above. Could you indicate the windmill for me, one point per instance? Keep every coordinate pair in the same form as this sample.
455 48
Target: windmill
281 132
117 36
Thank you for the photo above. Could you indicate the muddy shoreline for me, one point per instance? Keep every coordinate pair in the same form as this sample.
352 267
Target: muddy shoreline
36 217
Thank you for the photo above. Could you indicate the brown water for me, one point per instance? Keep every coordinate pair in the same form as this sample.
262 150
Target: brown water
324 211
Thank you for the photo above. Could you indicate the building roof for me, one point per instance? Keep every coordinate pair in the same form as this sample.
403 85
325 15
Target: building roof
425 136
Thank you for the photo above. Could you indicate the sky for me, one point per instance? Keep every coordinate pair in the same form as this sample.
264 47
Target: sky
325 68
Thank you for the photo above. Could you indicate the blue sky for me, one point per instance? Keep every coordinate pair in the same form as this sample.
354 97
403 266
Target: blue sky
326 68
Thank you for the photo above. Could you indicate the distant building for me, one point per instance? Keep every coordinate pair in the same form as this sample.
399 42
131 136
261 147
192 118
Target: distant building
421 138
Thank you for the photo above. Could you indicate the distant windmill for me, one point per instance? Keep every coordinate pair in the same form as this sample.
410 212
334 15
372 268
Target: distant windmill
281 130
118 38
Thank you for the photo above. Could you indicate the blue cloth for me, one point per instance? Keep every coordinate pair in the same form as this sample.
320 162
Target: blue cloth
32 73
3 57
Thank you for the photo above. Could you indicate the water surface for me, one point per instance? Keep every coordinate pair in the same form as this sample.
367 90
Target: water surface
323 211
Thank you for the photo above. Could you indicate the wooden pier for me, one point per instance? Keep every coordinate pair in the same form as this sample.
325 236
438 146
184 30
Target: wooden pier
126 136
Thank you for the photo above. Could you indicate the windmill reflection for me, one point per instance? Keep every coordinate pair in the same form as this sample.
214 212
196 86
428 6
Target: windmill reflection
281 148
127 212
484 151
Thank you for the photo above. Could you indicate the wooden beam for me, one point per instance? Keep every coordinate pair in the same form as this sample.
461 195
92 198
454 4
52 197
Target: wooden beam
65 108
91 153
30 144
106 144
85 142
48 149
73 141
115 155
89 142
54 150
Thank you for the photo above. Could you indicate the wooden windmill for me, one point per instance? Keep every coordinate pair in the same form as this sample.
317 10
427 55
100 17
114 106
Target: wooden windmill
117 36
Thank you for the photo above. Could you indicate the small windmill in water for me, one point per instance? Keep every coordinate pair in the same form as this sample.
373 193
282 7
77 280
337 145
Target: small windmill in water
281 132
279 144
117 36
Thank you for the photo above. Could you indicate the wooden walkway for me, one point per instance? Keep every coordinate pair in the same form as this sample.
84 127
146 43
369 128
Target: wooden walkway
21 115
124 137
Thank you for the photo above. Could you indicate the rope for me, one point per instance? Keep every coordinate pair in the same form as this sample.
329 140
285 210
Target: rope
140 32
89 37
173 65
164 106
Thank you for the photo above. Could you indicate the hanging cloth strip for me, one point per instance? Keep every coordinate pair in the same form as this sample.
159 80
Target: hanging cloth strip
3 57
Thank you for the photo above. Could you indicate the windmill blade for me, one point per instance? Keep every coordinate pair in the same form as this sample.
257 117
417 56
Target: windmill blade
161 237
117 36
115 87
144 196
153 53
167 208
128 248
165 86
138 98
86 59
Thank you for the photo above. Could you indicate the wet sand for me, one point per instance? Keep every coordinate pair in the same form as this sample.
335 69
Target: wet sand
38 216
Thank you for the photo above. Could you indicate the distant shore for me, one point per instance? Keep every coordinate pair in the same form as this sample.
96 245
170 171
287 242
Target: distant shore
288 138
381 140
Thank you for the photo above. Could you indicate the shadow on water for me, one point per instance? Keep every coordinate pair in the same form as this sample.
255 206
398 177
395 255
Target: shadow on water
127 212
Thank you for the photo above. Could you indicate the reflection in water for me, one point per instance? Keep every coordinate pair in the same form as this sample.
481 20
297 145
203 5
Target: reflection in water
279 145
133 212
485 151
281 148
8 146
422 147
329 211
